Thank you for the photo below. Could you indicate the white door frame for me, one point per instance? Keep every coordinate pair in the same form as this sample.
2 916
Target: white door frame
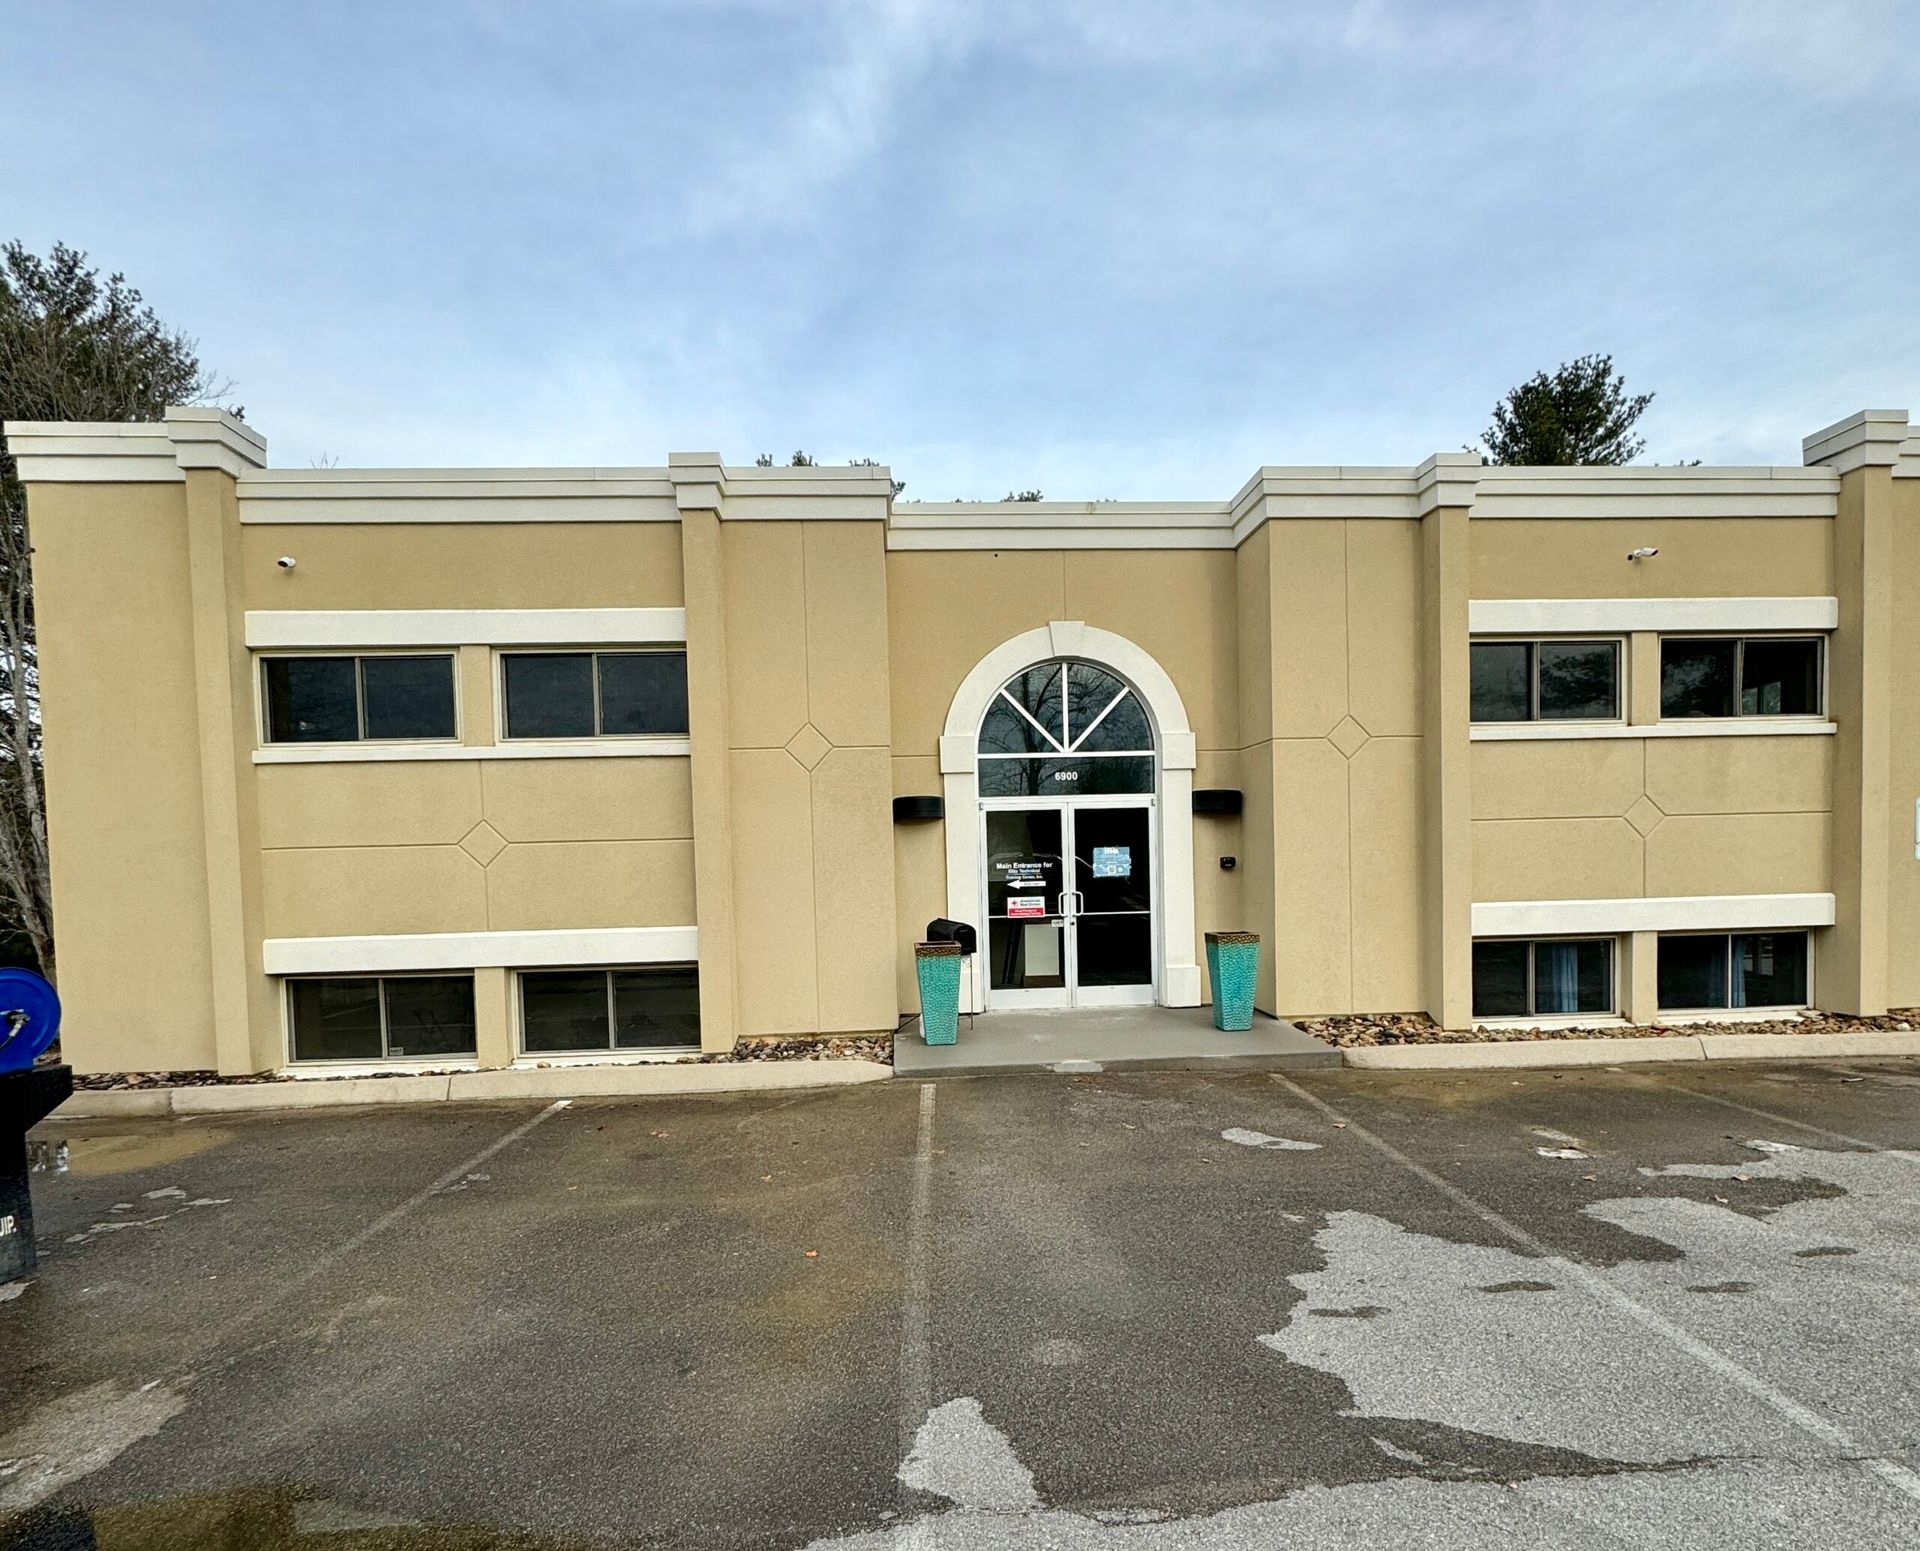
1178 978
1070 993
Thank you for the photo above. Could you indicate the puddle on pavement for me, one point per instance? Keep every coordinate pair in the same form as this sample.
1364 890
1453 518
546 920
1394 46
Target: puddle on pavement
255 1519
124 1154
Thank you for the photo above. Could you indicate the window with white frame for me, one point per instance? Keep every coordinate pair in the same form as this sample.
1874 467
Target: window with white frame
1706 971
390 698
380 1017
1732 676
593 694
1065 727
1544 681
580 1011
1545 977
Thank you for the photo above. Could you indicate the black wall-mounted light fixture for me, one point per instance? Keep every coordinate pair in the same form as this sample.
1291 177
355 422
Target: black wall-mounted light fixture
1218 800
917 810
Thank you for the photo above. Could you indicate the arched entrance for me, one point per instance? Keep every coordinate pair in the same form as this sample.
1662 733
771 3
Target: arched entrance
1066 776
1068 766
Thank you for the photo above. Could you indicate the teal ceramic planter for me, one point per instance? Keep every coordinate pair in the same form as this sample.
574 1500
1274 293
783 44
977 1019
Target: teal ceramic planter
1233 967
937 966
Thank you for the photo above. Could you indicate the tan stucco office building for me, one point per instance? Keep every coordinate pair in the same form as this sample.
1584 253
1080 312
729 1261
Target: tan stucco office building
442 766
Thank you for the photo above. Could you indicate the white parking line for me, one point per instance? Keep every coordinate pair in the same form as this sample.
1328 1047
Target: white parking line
83 1431
916 1341
1783 1404
325 1263
1788 1120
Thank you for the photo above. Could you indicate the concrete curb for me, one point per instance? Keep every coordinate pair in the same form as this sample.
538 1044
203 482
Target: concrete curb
543 1082
1492 1055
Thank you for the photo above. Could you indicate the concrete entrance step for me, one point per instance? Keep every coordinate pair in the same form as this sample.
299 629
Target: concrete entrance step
1113 1038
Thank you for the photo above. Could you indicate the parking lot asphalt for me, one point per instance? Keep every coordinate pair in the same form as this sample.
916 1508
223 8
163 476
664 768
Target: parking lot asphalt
1600 1308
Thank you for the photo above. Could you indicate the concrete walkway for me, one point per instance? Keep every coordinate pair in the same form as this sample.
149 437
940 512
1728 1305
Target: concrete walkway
1113 1038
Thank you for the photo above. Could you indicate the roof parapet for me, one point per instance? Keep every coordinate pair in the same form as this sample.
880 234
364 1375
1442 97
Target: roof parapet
1870 439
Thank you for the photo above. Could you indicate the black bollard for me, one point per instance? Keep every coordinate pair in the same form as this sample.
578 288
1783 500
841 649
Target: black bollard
26 1099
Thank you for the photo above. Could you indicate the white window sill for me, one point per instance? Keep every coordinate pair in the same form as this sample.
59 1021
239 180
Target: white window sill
365 753
661 1057
399 1067
1744 727
1732 1015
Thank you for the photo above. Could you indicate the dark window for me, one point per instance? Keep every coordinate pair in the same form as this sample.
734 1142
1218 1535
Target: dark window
1552 977
408 697
1770 969
549 694
657 1008
642 692
1572 977
350 699
1734 676
1693 972
1579 680
1065 729
594 694
1740 969
1500 980
1006 731
1039 692
429 1015
335 1020
1524 681
312 700
364 1018
1042 777
597 1009
1502 681
1780 678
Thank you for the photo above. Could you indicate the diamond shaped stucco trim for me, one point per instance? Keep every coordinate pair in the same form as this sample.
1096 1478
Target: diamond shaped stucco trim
808 746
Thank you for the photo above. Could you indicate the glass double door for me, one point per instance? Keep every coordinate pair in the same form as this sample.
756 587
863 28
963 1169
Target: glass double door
1069 904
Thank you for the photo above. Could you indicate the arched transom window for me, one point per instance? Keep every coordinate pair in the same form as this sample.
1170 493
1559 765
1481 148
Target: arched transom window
1065 729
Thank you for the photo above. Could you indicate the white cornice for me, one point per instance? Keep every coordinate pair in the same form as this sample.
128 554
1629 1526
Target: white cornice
1060 525
701 482
68 452
1870 439
1565 616
1651 492
457 495
214 439
1447 479
147 452
293 628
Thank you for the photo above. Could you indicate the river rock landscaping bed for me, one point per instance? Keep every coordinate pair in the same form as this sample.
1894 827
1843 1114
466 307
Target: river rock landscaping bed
1416 1028
877 1048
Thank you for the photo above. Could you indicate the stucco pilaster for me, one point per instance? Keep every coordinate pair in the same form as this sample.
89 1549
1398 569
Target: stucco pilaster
1851 968
1446 753
212 449
699 488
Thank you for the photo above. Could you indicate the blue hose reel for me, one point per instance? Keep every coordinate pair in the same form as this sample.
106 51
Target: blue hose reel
29 1018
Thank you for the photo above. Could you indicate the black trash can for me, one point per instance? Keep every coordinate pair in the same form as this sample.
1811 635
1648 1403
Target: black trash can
26 1099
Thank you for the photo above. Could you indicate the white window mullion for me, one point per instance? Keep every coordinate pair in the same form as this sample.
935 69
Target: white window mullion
1094 725
1058 746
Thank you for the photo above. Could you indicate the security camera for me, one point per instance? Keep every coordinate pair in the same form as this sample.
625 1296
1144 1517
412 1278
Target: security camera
285 562
1632 554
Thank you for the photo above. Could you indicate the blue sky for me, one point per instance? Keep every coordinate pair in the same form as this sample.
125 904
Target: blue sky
1108 248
